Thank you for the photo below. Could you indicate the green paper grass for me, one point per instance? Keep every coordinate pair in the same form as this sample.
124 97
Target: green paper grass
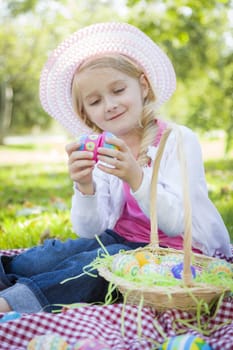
199 321
153 279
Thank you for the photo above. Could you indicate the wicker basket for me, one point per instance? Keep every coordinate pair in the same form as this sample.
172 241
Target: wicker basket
189 293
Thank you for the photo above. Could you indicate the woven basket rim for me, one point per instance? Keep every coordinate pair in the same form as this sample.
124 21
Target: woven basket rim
105 272
179 289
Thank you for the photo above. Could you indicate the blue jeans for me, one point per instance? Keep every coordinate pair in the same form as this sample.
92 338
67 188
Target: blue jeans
42 268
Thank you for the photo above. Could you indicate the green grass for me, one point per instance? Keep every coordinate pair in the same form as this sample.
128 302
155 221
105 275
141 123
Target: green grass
26 147
35 201
219 175
35 204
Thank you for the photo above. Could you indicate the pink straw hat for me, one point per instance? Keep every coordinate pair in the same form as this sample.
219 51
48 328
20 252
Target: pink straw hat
90 42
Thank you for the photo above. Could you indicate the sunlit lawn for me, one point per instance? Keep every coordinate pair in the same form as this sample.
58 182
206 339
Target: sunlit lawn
35 201
34 205
219 175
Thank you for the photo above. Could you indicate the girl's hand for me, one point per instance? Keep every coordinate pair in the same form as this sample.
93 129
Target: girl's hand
80 166
121 163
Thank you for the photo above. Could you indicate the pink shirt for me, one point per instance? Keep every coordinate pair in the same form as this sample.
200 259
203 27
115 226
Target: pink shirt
133 224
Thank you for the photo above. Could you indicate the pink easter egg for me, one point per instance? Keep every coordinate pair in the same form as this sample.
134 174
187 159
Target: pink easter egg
93 141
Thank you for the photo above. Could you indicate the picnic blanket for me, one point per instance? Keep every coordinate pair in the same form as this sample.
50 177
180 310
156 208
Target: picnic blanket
122 327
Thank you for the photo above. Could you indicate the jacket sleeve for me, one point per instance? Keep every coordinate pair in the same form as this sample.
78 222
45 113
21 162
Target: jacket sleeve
208 230
92 214
169 202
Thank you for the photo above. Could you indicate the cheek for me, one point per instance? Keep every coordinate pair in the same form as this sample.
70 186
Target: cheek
97 118
137 104
136 97
130 101
93 114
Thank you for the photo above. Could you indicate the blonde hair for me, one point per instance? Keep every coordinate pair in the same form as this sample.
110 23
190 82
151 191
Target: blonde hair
147 124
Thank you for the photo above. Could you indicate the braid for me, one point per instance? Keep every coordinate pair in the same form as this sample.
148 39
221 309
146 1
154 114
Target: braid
149 130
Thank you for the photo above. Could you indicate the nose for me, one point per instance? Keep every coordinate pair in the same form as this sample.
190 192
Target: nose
110 104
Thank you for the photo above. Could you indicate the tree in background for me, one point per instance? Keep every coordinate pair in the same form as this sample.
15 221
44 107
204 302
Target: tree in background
192 32
29 29
195 35
22 48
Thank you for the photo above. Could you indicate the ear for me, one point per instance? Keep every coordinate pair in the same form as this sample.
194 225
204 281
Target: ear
144 86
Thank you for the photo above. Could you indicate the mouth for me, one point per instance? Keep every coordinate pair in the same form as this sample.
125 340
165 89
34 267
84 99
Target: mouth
116 116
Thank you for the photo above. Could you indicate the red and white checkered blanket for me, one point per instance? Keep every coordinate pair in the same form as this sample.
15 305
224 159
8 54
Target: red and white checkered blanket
121 327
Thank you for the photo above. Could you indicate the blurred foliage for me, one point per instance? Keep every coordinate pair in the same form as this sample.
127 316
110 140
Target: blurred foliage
29 30
219 176
16 7
195 34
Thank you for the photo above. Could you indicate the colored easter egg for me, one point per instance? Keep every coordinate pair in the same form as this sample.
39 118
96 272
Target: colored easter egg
170 260
48 342
104 143
152 268
220 267
93 141
185 342
81 139
146 257
89 143
94 137
90 344
90 146
124 264
177 270
11 315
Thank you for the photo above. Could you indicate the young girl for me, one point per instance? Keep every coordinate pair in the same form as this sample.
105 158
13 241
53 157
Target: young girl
111 77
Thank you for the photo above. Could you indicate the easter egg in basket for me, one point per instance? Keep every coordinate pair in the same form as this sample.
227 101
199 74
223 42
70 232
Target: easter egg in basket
48 342
125 264
146 257
220 267
90 344
185 342
152 268
177 270
170 260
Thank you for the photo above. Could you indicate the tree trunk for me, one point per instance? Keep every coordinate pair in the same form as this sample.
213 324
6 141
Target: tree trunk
6 97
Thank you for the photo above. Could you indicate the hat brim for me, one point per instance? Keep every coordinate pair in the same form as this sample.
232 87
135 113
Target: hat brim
90 42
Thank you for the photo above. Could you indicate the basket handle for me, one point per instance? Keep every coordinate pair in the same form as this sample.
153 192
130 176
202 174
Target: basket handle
187 242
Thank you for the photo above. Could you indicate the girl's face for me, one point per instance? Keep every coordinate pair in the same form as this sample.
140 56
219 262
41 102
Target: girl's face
112 99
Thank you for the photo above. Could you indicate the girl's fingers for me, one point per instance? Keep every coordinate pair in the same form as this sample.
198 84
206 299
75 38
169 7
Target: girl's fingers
71 147
109 152
80 156
80 170
115 141
78 177
113 162
81 164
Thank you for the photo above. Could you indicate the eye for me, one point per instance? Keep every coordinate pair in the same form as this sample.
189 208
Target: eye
94 102
119 90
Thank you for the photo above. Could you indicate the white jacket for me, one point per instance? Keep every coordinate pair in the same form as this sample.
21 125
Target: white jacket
92 215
